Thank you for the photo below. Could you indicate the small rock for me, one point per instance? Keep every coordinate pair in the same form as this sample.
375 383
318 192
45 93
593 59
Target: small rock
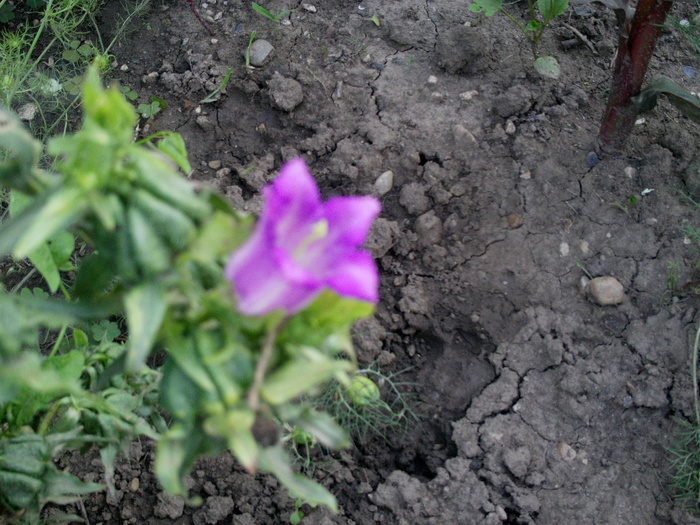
205 123
384 183
286 93
214 164
259 51
429 228
527 175
510 127
631 172
27 112
566 452
134 485
606 290
463 137
517 461
432 79
468 95
564 249
309 7
514 221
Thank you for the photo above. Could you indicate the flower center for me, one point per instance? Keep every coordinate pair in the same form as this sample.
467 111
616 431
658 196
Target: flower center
318 231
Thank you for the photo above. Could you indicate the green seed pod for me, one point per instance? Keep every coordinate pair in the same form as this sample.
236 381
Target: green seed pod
362 391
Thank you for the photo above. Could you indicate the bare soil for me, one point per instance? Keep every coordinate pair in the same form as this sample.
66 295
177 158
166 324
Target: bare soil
538 406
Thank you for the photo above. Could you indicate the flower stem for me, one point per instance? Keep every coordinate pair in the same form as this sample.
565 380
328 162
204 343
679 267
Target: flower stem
638 39
262 365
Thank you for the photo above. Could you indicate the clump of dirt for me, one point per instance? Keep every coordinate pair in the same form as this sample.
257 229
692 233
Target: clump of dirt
537 405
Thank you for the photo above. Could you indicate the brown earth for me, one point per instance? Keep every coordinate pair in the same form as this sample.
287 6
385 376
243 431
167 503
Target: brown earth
537 405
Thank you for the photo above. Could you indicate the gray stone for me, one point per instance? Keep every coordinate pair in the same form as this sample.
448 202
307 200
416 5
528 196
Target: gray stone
260 51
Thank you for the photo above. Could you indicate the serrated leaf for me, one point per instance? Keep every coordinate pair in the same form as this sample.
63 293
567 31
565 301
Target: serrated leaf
548 67
552 8
489 7
676 95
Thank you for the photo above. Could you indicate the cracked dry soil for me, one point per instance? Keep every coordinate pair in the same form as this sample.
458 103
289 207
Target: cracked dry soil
537 406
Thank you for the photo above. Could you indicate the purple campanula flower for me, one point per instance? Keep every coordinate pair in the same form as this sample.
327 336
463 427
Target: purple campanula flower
302 245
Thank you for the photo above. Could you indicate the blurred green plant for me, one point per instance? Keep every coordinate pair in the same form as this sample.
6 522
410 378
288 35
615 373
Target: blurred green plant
41 65
156 255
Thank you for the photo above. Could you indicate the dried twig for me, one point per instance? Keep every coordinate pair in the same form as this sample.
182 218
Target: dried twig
199 17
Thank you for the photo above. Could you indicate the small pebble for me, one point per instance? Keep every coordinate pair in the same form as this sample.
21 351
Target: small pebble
606 290
514 221
592 159
566 452
309 7
259 52
214 164
384 183
463 137
468 95
28 111
564 249
134 485
432 79
510 127
527 175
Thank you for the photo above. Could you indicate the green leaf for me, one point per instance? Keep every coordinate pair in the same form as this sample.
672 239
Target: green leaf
173 145
235 427
62 246
552 8
320 425
145 307
684 101
63 488
548 67
533 25
220 236
17 169
275 461
489 7
261 10
179 395
59 210
80 338
105 331
177 451
310 368
43 260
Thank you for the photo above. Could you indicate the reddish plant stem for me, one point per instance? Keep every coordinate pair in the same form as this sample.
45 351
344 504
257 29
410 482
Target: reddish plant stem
636 47
201 21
